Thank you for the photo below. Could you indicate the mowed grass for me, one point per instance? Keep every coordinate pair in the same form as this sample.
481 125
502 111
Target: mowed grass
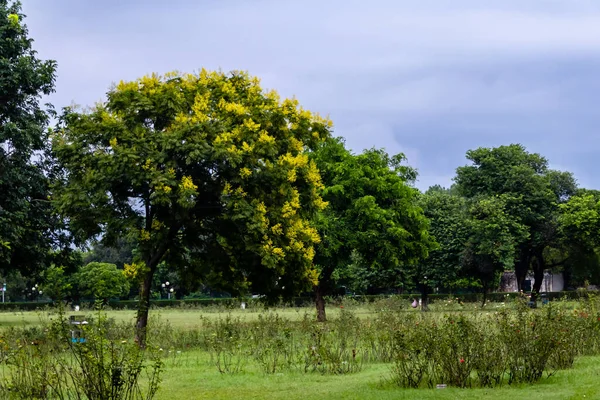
190 376
190 317
177 318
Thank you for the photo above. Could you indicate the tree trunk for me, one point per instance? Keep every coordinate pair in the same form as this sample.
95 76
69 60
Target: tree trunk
521 268
538 275
320 303
143 309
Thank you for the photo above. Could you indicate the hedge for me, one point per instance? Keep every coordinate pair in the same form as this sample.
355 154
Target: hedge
294 302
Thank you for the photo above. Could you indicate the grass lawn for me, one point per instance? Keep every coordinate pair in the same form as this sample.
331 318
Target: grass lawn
178 318
190 318
190 376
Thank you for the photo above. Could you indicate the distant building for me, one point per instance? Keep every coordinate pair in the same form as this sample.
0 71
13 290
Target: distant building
552 282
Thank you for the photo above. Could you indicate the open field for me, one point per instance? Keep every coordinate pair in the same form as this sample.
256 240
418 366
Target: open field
189 318
194 338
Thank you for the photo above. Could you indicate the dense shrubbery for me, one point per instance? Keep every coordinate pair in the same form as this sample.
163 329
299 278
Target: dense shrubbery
509 344
44 362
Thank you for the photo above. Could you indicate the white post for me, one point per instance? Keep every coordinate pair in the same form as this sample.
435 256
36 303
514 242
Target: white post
3 290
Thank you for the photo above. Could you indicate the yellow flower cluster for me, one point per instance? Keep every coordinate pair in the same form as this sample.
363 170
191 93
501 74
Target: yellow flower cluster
278 251
147 165
161 187
200 108
247 148
234 108
265 138
157 225
251 125
277 229
144 235
134 270
188 184
298 161
13 19
312 276
296 145
113 142
245 172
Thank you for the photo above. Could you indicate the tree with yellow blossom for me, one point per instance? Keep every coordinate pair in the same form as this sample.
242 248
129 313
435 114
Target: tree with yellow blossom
207 171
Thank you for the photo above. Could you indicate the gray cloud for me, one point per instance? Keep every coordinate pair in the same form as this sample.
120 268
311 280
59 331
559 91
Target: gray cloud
431 78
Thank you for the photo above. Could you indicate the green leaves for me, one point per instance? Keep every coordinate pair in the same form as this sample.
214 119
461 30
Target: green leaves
101 281
373 218
207 171
28 227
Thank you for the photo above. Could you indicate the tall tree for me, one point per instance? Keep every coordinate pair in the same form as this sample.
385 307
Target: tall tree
448 215
26 221
493 240
207 171
373 214
580 228
531 192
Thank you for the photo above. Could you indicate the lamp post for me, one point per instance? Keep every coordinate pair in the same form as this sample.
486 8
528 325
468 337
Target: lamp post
165 286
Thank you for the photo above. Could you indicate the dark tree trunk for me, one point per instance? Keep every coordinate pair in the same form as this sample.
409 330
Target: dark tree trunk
521 268
538 275
320 303
152 262
566 277
143 309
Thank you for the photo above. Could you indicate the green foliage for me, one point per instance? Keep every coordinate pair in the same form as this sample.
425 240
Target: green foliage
101 281
57 285
27 223
493 240
530 193
448 218
207 172
373 220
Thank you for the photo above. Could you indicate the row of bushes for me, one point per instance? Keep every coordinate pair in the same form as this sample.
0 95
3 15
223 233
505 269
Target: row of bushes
294 302
511 346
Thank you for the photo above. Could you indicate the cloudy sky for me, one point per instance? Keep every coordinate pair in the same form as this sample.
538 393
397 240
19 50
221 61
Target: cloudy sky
429 78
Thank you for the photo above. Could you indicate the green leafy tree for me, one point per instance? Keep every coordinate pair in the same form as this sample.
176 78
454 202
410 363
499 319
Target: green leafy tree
580 226
120 253
57 285
448 217
102 281
531 193
207 172
373 214
27 231
493 240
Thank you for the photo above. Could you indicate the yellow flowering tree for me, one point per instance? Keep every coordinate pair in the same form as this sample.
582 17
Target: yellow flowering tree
206 171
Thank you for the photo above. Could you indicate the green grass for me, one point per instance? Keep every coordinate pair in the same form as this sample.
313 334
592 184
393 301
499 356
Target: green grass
187 319
190 376
190 318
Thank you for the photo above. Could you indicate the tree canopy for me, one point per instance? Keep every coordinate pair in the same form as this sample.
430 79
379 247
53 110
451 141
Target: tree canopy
27 222
531 193
372 213
207 170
